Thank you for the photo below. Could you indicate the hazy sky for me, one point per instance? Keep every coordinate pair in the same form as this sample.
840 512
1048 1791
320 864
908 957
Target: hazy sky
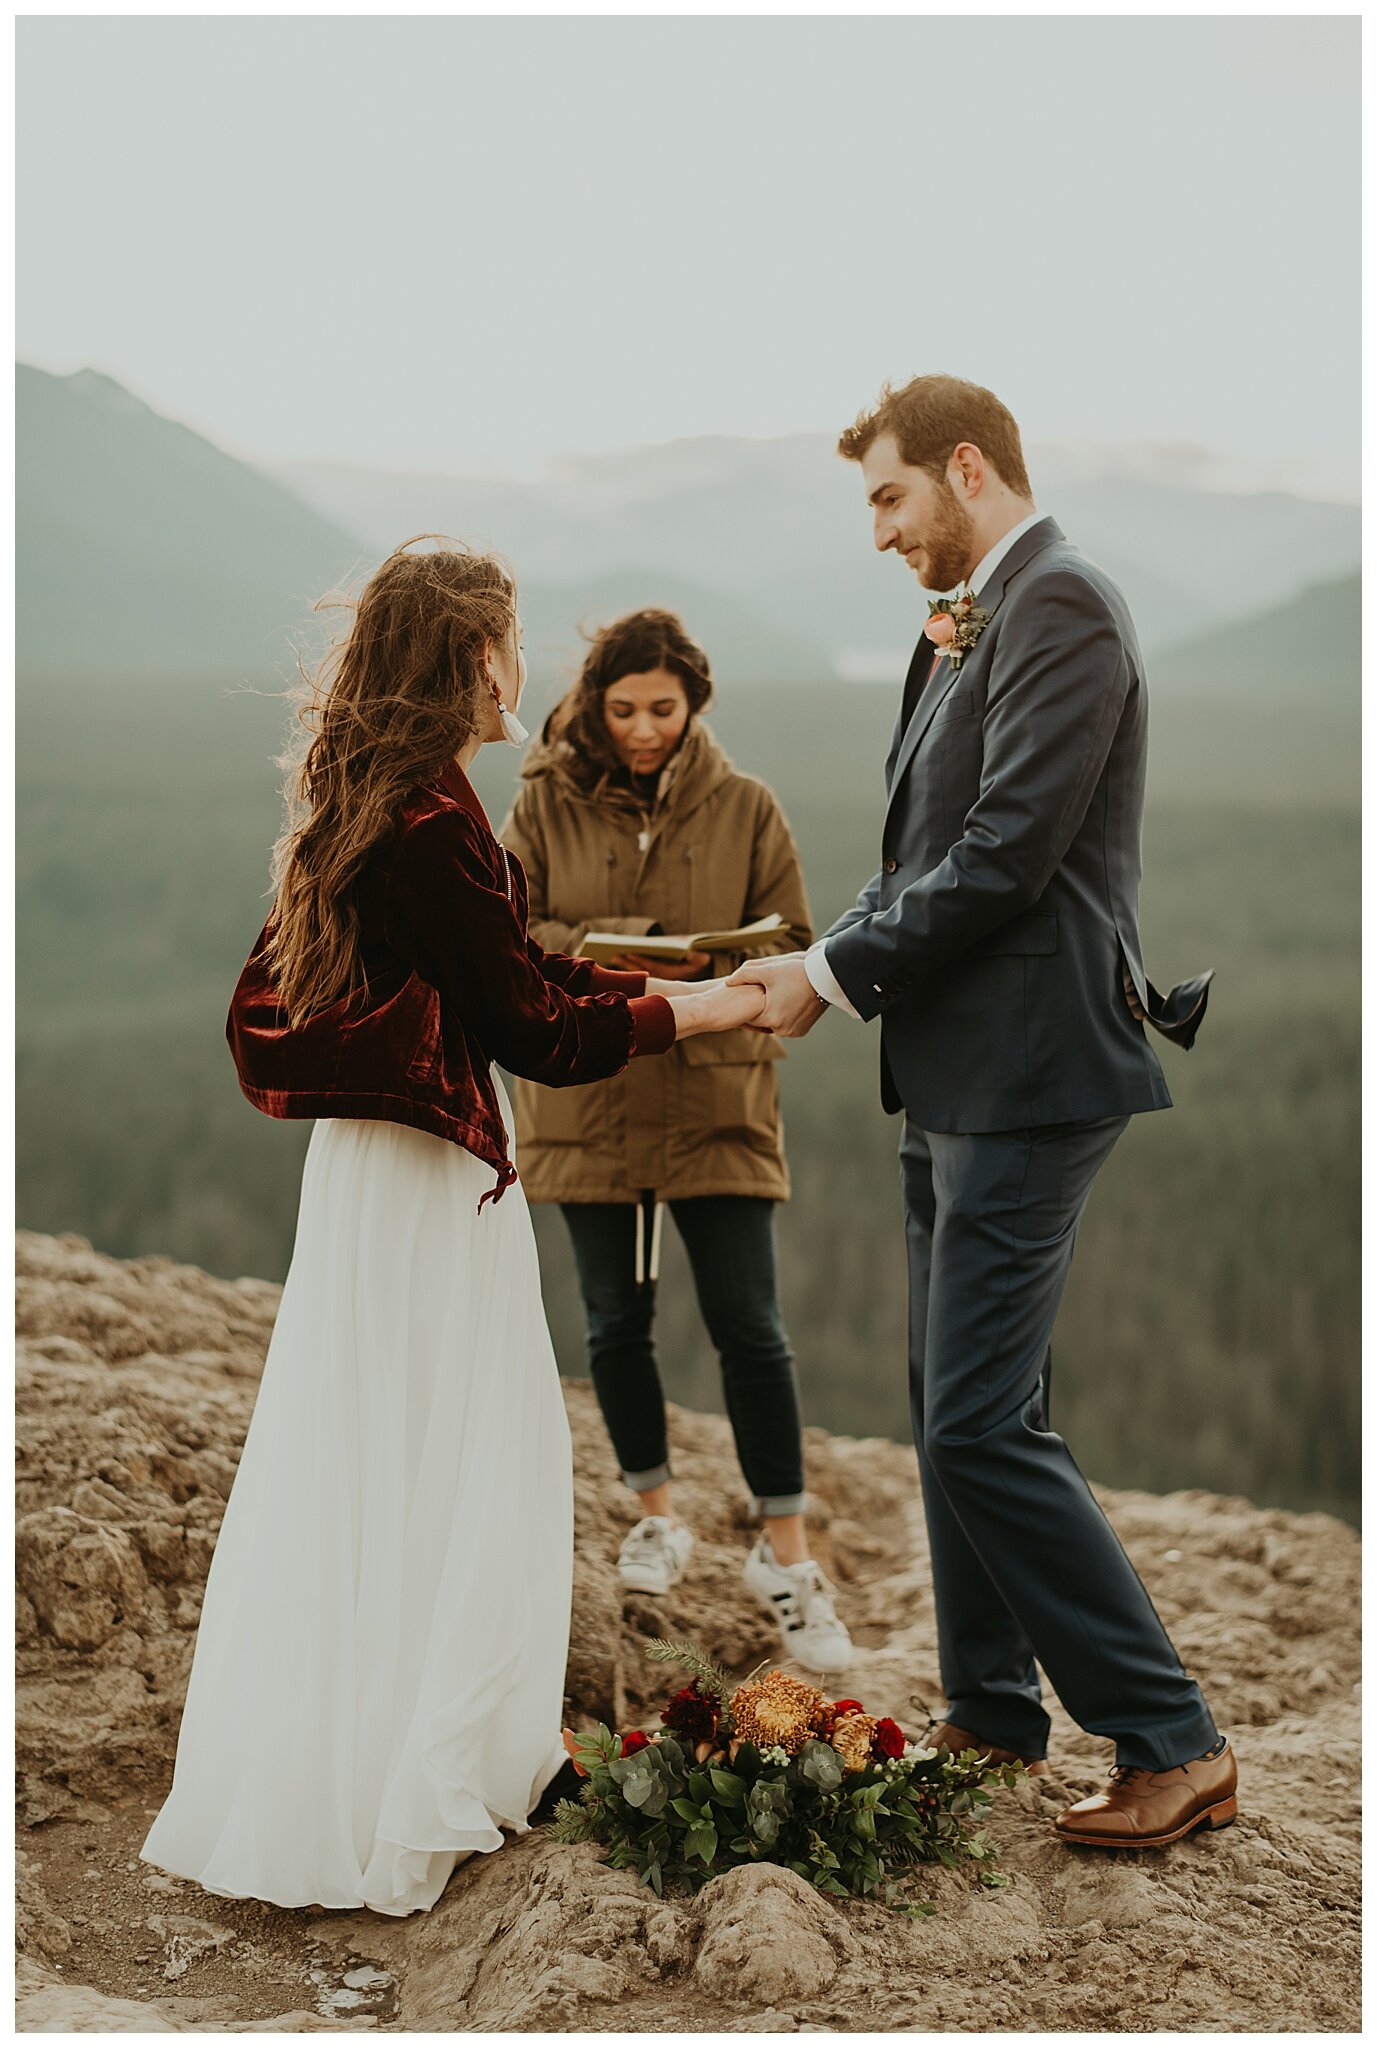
455 242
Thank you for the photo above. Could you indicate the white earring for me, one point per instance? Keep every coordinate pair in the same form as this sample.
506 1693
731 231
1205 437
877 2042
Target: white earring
513 731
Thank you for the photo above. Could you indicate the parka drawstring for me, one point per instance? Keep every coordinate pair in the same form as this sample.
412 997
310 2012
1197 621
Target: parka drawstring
648 1206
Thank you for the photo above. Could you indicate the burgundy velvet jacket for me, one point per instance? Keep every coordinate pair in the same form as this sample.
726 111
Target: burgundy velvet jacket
451 982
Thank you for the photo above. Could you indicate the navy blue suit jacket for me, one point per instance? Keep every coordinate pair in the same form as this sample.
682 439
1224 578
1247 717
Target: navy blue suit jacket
992 941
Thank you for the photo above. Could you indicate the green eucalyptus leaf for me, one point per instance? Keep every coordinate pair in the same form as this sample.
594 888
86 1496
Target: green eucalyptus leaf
671 1754
818 1764
637 1788
765 1824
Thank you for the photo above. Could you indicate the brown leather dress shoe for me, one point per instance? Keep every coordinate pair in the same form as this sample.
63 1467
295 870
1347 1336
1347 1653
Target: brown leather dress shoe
1144 1809
946 1735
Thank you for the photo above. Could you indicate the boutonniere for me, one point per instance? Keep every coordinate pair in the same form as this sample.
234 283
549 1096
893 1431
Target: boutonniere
955 624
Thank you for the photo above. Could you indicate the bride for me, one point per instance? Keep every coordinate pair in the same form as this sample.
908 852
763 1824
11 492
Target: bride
379 1671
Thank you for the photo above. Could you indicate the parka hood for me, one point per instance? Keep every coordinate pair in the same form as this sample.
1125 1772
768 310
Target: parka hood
698 766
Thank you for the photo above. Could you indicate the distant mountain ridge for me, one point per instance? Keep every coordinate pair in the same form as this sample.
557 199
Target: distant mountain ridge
782 525
1306 652
140 546
144 549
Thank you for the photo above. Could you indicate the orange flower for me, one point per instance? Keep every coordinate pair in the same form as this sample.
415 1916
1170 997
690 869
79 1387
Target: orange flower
775 1709
941 629
852 1738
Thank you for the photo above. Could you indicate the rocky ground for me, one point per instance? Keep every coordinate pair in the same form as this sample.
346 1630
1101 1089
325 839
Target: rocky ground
135 1384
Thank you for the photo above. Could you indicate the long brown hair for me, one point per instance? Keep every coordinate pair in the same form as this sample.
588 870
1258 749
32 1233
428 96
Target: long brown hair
391 704
631 646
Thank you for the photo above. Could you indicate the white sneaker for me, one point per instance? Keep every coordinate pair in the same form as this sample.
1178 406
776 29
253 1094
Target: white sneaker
801 1599
654 1554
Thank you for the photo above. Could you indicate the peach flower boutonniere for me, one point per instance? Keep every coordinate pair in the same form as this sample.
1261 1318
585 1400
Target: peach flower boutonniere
955 624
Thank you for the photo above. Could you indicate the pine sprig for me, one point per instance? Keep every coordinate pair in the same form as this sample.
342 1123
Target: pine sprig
711 1677
572 1822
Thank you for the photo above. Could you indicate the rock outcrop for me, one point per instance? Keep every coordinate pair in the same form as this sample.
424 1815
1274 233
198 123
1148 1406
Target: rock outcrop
135 1385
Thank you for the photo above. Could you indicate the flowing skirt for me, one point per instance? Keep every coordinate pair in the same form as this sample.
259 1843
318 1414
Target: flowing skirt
379 1671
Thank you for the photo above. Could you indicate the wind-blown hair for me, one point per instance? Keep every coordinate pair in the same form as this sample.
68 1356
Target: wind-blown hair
630 646
389 706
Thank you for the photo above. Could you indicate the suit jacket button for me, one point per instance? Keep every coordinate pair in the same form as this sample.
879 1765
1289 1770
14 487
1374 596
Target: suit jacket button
891 866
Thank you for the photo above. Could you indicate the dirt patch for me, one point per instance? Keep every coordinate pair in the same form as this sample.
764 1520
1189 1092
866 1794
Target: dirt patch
136 1382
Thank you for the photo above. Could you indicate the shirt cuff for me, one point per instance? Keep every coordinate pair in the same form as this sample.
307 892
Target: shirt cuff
825 982
652 1025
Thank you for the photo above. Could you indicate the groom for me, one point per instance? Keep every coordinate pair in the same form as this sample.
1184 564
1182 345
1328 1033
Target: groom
998 944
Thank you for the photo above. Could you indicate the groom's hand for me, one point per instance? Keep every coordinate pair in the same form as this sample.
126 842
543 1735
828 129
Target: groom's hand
1131 992
792 1005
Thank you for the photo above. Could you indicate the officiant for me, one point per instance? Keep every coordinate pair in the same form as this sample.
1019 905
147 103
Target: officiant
631 819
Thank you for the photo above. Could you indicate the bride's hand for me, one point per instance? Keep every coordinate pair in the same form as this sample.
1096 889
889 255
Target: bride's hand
720 1007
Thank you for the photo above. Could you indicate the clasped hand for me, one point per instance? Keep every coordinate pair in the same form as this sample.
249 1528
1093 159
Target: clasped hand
792 1005
710 1005
773 995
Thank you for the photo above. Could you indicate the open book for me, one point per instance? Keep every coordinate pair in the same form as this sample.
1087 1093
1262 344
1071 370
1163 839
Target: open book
608 946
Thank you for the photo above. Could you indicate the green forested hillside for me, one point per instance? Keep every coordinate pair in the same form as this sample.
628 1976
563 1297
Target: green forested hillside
781 525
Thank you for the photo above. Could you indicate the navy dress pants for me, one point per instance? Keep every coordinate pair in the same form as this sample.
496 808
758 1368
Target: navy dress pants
1025 1566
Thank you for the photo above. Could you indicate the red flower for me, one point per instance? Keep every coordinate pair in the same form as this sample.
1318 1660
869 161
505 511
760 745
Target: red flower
846 1707
637 1739
691 1715
889 1738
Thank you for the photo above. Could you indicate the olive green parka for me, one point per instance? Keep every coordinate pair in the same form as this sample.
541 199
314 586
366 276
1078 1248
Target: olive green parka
713 851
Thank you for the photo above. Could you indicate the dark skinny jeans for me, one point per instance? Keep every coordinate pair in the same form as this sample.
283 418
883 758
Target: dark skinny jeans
730 1244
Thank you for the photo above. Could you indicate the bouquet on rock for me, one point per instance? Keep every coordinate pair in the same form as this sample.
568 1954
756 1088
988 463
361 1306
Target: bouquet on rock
770 1771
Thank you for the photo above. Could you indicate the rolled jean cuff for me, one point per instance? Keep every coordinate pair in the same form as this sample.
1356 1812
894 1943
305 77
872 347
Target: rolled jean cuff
646 1482
779 1503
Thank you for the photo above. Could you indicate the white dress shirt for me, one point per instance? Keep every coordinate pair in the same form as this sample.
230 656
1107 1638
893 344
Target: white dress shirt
824 981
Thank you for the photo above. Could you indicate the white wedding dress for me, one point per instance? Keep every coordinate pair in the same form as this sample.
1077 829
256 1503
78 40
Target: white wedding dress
379 1671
